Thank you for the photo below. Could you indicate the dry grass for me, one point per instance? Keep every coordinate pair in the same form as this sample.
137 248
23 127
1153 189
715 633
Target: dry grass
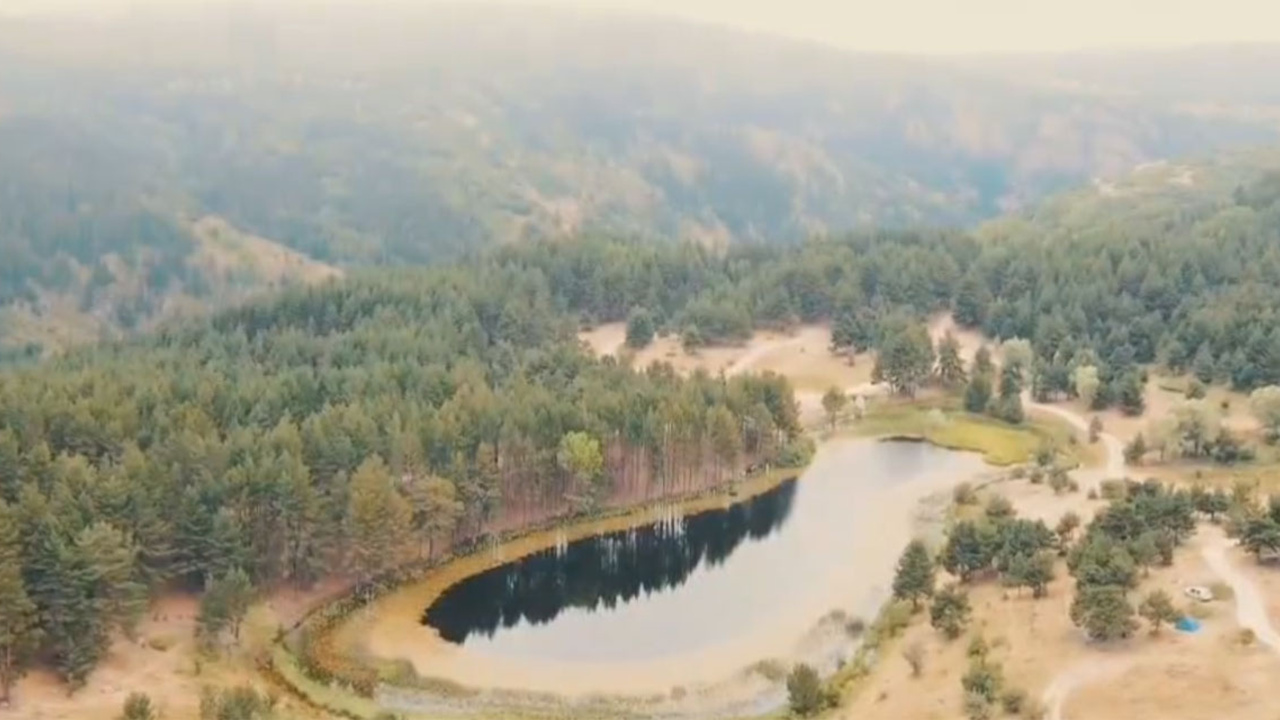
1173 675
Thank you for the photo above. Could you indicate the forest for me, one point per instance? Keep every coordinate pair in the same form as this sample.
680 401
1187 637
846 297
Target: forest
531 125
352 425
336 429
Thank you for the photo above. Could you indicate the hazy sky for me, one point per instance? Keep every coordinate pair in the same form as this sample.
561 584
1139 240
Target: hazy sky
921 26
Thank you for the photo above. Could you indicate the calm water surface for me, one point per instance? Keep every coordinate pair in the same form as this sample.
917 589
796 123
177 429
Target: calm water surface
686 582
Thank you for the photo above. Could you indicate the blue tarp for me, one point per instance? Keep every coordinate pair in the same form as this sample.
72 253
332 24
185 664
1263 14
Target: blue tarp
1187 624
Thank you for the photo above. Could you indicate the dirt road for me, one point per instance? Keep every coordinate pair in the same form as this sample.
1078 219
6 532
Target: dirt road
1251 610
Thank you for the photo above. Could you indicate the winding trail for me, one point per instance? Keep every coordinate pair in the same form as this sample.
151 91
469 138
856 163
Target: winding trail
1251 610
1114 465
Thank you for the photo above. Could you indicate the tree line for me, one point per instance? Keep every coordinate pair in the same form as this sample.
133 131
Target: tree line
344 429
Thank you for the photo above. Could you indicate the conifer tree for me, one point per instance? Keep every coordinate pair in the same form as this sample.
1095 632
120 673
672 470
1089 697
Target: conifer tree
915 574
19 629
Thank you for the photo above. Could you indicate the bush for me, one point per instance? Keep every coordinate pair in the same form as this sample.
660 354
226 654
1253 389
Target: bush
896 618
977 707
1037 475
797 453
964 494
1114 489
771 670
804 691
1092 494
982 679
1014 701
999 508
1247 637
978 648
138 707
949 612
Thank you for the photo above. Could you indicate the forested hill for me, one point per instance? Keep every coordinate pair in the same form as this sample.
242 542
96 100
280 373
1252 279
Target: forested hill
340 428
373 135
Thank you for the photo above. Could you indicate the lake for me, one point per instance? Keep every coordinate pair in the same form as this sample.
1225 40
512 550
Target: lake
684 584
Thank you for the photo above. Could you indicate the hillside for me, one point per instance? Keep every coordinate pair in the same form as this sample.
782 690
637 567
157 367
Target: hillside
410 136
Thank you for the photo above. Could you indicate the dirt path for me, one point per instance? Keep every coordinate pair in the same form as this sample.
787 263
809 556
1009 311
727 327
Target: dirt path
757 353
1114 466
1092 670
1251 611
1077 676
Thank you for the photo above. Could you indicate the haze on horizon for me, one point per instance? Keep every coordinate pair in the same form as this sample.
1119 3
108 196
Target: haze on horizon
904 26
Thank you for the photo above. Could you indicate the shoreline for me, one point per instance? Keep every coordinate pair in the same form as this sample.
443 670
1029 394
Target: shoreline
883 520
447 685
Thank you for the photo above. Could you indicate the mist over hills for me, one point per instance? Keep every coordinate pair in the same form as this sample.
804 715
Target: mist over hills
343 137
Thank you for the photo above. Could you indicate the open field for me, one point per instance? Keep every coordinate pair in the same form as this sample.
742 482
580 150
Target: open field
1173 675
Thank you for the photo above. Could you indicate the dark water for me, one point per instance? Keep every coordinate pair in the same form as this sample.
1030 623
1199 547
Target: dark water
685 582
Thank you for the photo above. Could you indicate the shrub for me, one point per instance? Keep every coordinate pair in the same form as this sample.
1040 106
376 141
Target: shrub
804 691
978 648
1037 475
1014 701
1247 637
896 618
964 494
976 707
1092 494
950 612
855 627
1114 489
771 670
138 707
982 679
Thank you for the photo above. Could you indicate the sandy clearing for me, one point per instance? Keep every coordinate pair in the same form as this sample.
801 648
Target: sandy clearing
606 339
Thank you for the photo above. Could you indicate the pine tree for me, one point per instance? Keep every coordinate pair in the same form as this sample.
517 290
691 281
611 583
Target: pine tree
915 574
639 328
833 403
951 372
224 605
378 520
436 509
1157 608
19 629
977 394
1103 612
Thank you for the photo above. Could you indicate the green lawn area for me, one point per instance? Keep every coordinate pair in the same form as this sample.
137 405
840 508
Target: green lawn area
944 424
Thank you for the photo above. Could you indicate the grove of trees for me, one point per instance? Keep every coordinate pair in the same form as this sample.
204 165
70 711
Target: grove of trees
341 429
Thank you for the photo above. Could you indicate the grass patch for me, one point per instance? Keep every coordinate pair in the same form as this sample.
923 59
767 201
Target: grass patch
998 442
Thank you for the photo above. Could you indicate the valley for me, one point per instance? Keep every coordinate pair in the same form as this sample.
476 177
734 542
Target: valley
440 362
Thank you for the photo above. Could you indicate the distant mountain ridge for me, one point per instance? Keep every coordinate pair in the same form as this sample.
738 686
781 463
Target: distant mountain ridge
357 137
